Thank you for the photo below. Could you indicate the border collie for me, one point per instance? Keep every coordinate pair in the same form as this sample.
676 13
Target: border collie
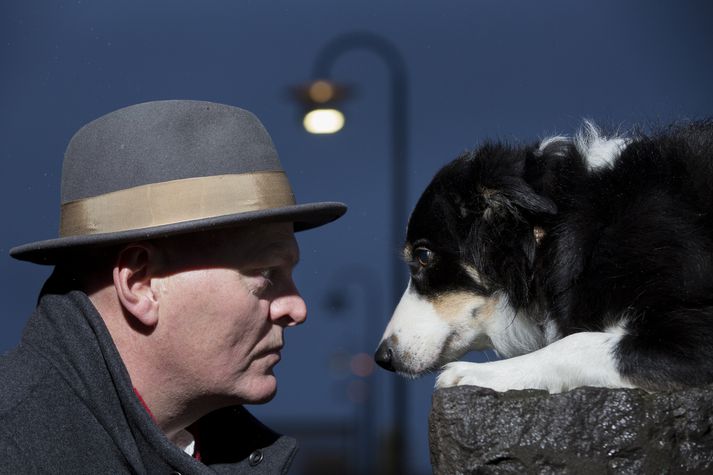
584 261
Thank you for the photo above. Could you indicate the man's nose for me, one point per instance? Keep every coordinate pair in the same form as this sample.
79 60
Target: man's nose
291 307
298 314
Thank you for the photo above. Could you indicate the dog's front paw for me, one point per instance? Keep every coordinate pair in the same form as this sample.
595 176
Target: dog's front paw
463 373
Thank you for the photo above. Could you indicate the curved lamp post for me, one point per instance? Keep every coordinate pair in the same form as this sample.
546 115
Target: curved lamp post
322 97
364 279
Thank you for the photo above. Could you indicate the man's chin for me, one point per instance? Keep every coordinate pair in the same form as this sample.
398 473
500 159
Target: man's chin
264 390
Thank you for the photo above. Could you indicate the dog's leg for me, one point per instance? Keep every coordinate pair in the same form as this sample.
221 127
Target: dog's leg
580 359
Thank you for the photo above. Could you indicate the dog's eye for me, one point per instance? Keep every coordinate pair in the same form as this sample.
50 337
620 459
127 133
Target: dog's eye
423 256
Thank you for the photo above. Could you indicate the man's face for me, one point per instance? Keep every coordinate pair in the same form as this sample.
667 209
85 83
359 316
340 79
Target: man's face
224 304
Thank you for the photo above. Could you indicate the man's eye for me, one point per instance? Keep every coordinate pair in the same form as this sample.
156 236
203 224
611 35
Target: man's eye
268 274
423 256
264 282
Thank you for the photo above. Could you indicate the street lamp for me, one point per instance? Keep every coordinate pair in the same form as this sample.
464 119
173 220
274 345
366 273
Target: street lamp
321 98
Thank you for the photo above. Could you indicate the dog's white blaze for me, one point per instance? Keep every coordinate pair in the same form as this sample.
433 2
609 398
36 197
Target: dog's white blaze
599 151
417 328
580 359
423 337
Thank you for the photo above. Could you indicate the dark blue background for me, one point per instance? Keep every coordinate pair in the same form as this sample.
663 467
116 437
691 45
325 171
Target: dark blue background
513 70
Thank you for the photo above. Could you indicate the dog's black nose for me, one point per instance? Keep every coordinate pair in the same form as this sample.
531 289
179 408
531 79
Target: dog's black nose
384 356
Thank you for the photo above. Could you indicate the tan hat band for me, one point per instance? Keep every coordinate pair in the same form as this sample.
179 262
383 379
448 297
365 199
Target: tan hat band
175 201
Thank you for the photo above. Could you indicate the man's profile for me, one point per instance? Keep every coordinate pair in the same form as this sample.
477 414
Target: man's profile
166 309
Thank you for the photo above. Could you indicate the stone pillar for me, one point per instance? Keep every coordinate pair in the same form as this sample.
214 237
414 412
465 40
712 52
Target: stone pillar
474 430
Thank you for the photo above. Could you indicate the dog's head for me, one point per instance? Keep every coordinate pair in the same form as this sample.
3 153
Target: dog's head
470 247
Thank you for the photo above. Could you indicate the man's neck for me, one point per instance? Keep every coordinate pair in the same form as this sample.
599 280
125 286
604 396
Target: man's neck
172 410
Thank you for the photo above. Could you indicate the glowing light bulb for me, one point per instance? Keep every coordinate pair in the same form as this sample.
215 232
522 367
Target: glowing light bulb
323 121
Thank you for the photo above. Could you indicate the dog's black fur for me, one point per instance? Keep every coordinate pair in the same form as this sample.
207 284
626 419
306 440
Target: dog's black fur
629 243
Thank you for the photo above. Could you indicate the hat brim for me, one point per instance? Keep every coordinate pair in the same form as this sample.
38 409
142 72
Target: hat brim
304 216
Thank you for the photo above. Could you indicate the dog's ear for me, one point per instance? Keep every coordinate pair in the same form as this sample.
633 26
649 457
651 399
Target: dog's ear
512 196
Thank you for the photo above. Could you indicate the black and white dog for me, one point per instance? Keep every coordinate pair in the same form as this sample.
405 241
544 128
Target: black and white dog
584 261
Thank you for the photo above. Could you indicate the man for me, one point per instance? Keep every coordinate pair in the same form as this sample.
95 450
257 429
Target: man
166 309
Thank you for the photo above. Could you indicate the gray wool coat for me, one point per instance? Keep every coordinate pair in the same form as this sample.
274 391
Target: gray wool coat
67 406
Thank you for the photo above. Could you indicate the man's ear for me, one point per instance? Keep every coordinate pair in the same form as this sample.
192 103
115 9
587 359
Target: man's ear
133 273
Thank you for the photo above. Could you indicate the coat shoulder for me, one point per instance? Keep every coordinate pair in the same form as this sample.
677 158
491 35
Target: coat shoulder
21 372
44 422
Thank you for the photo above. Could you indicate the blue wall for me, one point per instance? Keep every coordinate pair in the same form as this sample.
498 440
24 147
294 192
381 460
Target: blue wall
515 70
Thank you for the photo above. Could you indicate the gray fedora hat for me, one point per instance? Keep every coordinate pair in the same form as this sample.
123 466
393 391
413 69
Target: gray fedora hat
162 168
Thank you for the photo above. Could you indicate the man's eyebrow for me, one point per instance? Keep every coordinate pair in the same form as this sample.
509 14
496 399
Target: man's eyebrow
287 252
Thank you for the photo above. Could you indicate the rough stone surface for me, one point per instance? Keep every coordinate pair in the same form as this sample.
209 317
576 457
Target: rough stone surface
584 431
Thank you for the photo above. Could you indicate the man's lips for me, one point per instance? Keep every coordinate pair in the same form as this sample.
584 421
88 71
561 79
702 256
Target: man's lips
275 350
